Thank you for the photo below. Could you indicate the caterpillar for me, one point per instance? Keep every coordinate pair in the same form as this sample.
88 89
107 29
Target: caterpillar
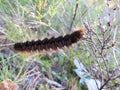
52 43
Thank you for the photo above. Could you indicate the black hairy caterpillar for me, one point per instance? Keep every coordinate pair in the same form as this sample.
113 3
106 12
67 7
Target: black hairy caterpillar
52 43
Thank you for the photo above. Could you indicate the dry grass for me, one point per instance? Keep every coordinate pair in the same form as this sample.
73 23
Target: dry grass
34 19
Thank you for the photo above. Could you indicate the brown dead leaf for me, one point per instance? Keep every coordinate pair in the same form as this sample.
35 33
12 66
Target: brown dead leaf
8 85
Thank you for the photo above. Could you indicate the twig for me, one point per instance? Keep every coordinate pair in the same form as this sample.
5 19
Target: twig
6 45
104 84
114 39
108 81
74 15
53 83
34 81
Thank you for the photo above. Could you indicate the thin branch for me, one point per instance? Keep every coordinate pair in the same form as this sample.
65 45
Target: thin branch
74 15
114 39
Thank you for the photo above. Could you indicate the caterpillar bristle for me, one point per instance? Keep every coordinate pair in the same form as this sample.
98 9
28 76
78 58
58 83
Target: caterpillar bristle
52 43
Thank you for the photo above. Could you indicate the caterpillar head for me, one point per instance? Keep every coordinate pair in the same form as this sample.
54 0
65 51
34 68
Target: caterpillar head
77 35
80 33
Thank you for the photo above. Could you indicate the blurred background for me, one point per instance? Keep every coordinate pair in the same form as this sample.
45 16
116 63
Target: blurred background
92 64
